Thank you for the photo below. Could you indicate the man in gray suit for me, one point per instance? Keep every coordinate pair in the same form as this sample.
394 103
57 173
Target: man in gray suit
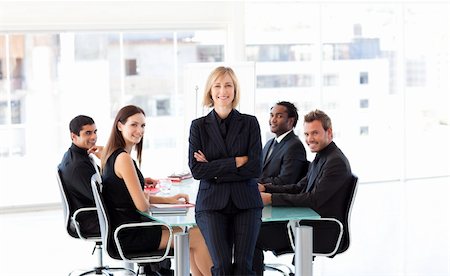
324 189
284 157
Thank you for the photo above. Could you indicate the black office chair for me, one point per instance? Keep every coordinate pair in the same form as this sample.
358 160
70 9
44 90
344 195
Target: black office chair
336 232
74 230
138 258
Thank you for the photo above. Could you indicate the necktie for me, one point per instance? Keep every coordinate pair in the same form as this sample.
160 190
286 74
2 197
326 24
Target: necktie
272 147
313 172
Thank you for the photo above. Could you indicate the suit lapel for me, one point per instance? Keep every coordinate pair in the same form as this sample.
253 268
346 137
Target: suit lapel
274 150
266 151
213 130
277 149
315 170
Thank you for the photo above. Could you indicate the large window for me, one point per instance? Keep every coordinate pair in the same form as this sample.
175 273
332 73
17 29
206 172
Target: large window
427 89
48 78
380 71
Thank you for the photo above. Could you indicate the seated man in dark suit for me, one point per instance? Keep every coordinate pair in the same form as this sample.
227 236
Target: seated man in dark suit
324 188
284 157
77 169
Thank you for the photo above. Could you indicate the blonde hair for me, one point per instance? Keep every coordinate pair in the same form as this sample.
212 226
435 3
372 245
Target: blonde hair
215 74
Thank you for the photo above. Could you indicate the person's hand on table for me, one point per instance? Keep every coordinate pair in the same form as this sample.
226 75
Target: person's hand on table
178 199
150 182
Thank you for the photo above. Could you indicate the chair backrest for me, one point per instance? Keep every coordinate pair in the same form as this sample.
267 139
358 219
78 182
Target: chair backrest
330 236
108 233
65 203
345 243
75 217
101 210
97 174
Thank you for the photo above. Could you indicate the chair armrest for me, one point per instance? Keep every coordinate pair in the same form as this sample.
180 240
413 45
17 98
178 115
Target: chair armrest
77 224
142 225
292 224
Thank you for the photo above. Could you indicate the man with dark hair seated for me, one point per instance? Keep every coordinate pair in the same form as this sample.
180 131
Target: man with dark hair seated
284 157
76 171
324 189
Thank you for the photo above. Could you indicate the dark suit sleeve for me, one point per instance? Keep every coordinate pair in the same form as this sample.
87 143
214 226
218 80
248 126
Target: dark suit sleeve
287 188
332 179
206 170
252 169
224 169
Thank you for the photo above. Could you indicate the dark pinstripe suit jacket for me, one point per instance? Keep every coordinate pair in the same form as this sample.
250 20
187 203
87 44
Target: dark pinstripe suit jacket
220 180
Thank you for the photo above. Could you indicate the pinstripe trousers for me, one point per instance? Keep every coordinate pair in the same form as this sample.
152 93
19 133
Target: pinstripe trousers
230 228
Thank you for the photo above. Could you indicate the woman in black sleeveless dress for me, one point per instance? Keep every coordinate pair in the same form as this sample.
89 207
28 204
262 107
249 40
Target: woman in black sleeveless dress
123 192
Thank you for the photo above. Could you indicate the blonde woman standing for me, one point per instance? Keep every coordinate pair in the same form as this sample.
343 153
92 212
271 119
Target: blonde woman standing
225 155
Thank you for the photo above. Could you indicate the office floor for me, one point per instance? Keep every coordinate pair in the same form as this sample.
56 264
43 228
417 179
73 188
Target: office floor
398 229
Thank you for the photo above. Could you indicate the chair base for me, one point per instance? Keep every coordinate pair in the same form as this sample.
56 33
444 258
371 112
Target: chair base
104 270
274 267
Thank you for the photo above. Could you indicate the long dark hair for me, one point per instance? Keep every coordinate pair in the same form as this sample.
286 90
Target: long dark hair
116 140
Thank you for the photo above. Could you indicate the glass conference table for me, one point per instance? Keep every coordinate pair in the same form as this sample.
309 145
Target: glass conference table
303 234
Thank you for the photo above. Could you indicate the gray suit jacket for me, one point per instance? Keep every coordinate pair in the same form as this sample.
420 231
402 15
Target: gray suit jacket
287 164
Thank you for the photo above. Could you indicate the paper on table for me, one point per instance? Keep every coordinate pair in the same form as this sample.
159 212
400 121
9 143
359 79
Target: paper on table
170 208
178 177
164 205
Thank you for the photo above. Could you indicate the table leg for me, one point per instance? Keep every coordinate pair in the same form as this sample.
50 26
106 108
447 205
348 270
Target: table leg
181 246
303 250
